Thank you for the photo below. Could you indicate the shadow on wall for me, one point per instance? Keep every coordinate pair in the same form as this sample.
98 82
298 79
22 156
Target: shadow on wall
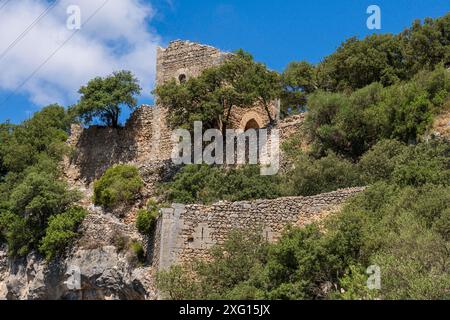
98 148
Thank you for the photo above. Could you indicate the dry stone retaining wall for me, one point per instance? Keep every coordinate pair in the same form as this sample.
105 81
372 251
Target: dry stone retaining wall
187 232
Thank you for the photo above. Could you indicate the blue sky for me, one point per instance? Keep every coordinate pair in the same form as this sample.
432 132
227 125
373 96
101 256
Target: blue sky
275 32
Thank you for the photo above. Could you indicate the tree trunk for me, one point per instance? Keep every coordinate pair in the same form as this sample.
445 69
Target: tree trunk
266 107
227 119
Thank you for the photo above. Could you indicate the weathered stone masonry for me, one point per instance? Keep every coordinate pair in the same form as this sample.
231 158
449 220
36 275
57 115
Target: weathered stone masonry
183 60
187 232
146 137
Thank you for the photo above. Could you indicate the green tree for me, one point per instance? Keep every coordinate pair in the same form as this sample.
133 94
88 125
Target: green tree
265 86
299 79
358 63
427 44
103 97
40 194
29 200
17 233
46 132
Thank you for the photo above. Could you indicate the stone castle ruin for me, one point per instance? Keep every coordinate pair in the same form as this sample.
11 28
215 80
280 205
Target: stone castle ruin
187 232
182 233
146 137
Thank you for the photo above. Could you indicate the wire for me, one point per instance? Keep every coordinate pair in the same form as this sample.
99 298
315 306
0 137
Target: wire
4 4
53 54
28 29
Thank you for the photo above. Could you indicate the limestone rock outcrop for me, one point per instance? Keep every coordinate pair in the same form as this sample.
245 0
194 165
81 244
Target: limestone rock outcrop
98 267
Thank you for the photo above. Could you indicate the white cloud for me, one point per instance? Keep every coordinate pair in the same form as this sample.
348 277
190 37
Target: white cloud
116 38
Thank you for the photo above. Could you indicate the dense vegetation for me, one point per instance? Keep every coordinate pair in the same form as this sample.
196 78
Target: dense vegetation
383 58
35 204
208 184
370 106
61 230
401 224
37 210
349 124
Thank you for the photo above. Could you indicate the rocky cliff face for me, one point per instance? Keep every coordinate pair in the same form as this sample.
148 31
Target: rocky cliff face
100 266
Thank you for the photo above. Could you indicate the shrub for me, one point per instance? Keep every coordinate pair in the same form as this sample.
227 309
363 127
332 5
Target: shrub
354 286
138 251
232 264
61 230
119 185
311 177
146 220
208 184
120 241
404 165
380 162
423 164
442 225
6 219
177 284
17 234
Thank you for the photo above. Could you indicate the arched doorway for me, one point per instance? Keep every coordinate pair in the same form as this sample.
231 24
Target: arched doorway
182 78
251 124
251 120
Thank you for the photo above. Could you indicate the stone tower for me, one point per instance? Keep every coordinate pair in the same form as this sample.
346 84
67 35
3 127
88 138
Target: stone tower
182 60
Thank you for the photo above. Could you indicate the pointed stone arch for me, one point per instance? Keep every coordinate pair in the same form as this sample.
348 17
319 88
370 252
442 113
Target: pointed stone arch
251 120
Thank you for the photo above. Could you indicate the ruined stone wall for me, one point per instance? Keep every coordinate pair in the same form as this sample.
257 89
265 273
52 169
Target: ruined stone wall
291 125
144 139
187 232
